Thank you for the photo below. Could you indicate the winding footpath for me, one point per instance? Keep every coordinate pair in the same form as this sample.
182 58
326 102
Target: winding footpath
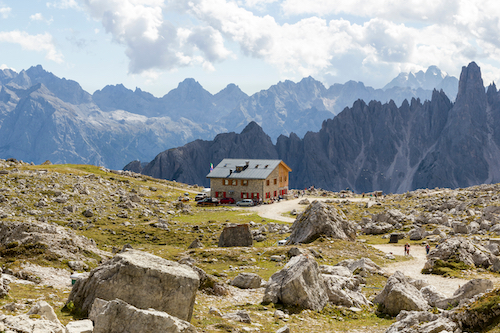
411 268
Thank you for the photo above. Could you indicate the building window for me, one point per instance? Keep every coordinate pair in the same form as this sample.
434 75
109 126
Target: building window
274 193
285 178
225 182
234 182
267 182
244 182
275 181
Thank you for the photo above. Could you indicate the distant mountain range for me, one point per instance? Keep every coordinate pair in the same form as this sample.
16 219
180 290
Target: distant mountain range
43 117
370 146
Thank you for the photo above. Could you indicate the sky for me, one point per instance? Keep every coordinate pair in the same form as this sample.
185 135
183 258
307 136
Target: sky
155 44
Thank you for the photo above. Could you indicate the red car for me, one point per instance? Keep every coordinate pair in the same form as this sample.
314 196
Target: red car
225 201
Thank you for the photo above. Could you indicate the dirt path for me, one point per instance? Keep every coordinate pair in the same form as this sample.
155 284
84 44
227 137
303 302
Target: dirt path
276 210
413 267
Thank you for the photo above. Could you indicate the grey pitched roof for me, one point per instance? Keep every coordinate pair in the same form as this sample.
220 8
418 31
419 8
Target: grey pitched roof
257 169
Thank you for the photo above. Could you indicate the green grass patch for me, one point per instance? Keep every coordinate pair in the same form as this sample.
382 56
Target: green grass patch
447 268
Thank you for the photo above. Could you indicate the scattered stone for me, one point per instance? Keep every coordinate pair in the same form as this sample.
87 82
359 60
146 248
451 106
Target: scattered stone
43 309
141 279
299 283
247 281
80 326
320 219
421 322
284 329
240 315
361 264
214 312
88 213
196 244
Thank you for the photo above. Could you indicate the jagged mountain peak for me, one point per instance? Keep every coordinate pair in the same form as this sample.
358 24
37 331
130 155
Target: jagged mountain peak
252 127
470 84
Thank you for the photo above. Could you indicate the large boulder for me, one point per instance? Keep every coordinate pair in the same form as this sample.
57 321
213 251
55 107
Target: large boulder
345 291
399 294
467 291
460 249
320 219
377 228
141 279
236 235
299 283
432 294
118 317
247 281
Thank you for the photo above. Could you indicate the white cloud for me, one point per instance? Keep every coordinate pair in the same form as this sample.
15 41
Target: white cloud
399 11
36 17
63 4
4 66
152 42
39 43
395 35
5 12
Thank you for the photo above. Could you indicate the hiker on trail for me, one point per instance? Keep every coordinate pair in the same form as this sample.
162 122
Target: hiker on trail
407 249
427 249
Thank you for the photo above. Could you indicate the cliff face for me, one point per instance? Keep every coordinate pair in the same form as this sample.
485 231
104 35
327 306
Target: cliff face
371 146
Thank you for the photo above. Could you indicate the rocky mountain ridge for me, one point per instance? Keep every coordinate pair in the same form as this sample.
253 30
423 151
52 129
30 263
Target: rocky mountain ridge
45 117
371 146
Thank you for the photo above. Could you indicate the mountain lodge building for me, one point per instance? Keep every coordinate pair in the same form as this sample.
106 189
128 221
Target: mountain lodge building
249 179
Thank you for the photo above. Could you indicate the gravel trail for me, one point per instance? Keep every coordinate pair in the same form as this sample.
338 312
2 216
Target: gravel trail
413 267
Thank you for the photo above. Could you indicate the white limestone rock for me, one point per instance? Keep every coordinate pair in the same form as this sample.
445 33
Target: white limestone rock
119 317
80 326
299 283
320 219
141 279
399 294
247 281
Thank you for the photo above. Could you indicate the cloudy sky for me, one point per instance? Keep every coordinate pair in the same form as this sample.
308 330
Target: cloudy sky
155 44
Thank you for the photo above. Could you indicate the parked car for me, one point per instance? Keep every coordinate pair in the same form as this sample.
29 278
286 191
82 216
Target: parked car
225 201
208 202
245 202
200 196
184 198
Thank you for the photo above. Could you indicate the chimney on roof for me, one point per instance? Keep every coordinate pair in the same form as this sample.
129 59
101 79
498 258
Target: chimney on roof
247 163
230 172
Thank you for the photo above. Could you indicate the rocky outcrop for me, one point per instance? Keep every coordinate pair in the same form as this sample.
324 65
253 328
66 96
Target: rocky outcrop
141 279
118 317
399 294
58 240
421 322
320 219
299 283
460 249
467 291
342 287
